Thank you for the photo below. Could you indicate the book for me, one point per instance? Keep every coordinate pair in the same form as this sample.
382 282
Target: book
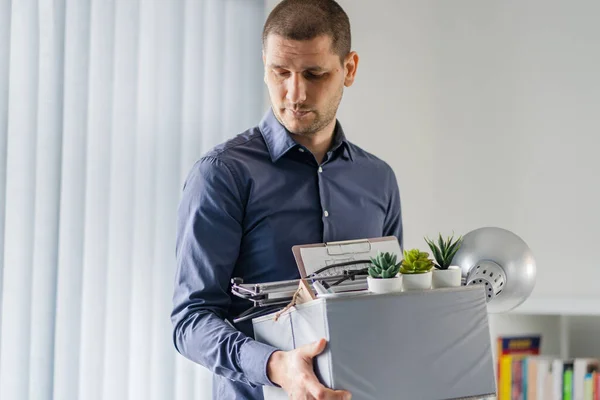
517 378
588 387
511 377
519 345
504 377
530 373
567 381
557 379
582 367
539 377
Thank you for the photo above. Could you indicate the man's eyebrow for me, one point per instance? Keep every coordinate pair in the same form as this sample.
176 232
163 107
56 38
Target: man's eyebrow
315 68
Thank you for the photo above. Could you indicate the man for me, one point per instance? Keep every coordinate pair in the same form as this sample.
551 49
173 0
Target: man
293 179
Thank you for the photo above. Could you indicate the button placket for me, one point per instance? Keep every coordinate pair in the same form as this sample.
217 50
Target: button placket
324 200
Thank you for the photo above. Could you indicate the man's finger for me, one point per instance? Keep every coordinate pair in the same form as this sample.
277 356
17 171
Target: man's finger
320 392
313 349
344 394
317 390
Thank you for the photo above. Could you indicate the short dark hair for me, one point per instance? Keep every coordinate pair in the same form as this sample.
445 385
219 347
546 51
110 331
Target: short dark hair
307 19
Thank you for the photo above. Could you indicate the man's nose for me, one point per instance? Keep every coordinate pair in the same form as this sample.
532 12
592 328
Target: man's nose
296 90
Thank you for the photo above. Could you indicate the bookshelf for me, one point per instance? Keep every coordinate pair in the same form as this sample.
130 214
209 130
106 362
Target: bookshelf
572 324
569 326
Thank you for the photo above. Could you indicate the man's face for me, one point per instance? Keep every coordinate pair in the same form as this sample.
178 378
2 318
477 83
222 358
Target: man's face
306 80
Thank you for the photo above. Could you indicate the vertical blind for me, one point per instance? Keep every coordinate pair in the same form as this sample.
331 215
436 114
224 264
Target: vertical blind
104 107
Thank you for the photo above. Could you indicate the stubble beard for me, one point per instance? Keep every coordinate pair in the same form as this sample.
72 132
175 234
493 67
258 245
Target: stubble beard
320 121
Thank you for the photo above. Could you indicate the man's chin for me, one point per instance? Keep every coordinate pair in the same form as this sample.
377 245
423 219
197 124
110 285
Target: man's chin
298 128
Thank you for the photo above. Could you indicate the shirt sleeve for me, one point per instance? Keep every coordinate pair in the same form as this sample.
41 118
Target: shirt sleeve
393 219
209 232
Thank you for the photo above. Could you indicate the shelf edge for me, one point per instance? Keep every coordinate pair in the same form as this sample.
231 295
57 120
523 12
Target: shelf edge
557 305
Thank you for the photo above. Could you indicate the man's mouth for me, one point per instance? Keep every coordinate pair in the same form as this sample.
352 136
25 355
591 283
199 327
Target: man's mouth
299 113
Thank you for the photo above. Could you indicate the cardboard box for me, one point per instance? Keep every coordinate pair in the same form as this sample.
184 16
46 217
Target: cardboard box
414 345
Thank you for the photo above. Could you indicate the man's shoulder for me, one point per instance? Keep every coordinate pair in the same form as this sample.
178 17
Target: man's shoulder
241 145
229 159
369 160
231 156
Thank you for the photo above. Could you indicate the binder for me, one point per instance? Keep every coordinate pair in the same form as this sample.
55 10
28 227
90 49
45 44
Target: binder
336 263
349 254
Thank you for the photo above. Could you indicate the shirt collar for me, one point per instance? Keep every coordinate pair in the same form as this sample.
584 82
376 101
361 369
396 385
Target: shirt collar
340 139
276 137
279 141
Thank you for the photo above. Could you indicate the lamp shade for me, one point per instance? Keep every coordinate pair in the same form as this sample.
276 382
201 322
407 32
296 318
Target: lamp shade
500 260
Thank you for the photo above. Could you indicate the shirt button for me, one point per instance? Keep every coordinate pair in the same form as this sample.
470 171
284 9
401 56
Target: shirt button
300 149
326 213
320 169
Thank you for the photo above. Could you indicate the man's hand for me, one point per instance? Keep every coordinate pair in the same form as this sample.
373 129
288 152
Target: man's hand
293 371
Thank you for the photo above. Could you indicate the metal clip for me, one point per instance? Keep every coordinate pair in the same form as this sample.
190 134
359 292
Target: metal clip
348 247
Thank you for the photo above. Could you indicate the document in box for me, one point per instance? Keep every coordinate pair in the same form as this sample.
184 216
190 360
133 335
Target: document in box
314 257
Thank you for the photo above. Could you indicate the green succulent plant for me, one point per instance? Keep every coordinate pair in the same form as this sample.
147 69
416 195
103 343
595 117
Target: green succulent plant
444 250
416 262
384 266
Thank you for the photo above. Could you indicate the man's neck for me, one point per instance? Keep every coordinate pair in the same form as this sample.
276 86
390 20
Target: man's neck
318 143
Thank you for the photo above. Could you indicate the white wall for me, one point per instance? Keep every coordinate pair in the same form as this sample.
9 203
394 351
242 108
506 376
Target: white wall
583 336
488 112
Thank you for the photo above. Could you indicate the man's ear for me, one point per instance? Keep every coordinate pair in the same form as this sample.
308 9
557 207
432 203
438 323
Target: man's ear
350 67
264 67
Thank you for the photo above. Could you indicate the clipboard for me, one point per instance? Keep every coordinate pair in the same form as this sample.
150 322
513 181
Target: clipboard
311 257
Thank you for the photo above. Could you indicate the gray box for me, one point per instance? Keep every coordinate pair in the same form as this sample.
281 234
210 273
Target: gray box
414 345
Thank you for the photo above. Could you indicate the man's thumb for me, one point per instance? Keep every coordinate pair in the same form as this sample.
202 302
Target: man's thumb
316 348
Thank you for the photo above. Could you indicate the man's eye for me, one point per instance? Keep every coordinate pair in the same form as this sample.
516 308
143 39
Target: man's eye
282 74
313 76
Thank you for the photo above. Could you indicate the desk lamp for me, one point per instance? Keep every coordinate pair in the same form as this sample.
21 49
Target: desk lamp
501 261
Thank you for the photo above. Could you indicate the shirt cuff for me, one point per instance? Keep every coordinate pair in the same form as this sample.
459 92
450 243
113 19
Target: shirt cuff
254 357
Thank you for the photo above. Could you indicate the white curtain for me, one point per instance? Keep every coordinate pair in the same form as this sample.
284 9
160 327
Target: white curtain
104 107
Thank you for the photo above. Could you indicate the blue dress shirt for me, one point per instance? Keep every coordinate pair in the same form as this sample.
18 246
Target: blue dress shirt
244 205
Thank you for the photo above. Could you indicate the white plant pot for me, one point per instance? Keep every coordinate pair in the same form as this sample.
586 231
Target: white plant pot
416 281
388 285
443 278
